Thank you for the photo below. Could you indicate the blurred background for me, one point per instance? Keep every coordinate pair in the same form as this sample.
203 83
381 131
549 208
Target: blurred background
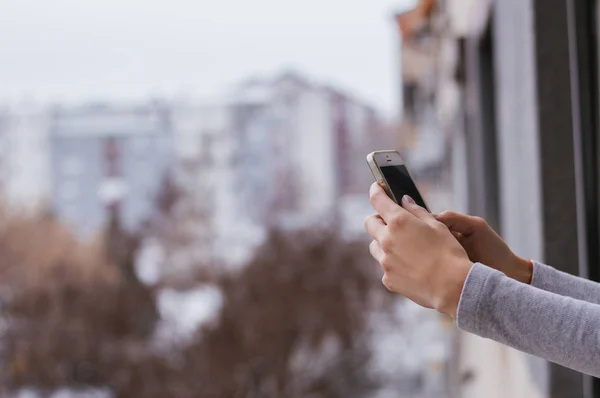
183 187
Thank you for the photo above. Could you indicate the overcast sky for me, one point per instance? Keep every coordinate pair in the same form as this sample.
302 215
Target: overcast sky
74 50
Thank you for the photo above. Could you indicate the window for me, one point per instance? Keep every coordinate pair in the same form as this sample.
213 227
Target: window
72 165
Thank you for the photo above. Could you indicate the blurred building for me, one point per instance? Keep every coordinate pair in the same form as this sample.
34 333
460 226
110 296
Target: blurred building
204 140
428 94
419 76
425 139
3 149
516 92
24 174
107 158
300 150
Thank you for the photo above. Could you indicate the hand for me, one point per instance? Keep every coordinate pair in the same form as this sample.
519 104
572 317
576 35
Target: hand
420 258
485 246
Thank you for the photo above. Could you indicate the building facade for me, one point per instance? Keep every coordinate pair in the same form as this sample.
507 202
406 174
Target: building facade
300 150
108 159
4 117
24 170
522 99
205 172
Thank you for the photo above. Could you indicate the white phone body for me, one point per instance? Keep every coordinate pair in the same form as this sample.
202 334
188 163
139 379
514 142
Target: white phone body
379 159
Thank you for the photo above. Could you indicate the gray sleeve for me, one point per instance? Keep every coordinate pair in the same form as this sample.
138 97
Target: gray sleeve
554 327
555 281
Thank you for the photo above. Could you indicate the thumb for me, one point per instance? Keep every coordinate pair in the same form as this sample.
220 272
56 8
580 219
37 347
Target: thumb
457 222
409 204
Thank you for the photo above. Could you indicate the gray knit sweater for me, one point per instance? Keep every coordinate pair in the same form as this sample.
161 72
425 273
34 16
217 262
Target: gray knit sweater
557 317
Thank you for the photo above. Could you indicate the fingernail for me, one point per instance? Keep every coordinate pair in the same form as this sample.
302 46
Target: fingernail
407 199
372 187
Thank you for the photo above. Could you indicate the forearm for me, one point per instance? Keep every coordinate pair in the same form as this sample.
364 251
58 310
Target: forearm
555 281
558 328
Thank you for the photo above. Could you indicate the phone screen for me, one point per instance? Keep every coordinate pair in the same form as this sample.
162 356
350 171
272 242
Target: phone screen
401 184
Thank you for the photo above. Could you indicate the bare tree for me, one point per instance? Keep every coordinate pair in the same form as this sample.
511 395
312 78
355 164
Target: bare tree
293 321
71 314
300 295
181 224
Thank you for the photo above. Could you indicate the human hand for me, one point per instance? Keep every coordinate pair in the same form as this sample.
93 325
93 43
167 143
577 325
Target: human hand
484 245
420 258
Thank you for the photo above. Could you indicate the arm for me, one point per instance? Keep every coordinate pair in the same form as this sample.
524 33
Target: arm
555 281
485 246
424 262
557 328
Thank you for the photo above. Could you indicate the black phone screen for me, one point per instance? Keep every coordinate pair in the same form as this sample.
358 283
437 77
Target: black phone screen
401 184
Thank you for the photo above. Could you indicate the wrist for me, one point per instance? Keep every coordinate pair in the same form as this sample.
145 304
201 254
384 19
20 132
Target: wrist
448 300
522 270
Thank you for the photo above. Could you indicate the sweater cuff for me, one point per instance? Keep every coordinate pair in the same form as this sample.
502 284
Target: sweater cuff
467 318
543 276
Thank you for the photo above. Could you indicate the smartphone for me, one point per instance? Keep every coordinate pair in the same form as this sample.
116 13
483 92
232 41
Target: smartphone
391 173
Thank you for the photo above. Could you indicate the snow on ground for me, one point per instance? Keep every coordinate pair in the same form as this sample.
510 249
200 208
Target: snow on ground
63 393
183 312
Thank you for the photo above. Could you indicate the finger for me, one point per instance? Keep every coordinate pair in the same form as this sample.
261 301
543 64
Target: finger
409 204
376 250
457 235
385 206
458 222
375 226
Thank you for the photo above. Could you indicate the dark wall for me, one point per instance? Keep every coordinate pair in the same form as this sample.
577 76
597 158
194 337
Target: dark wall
555 118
